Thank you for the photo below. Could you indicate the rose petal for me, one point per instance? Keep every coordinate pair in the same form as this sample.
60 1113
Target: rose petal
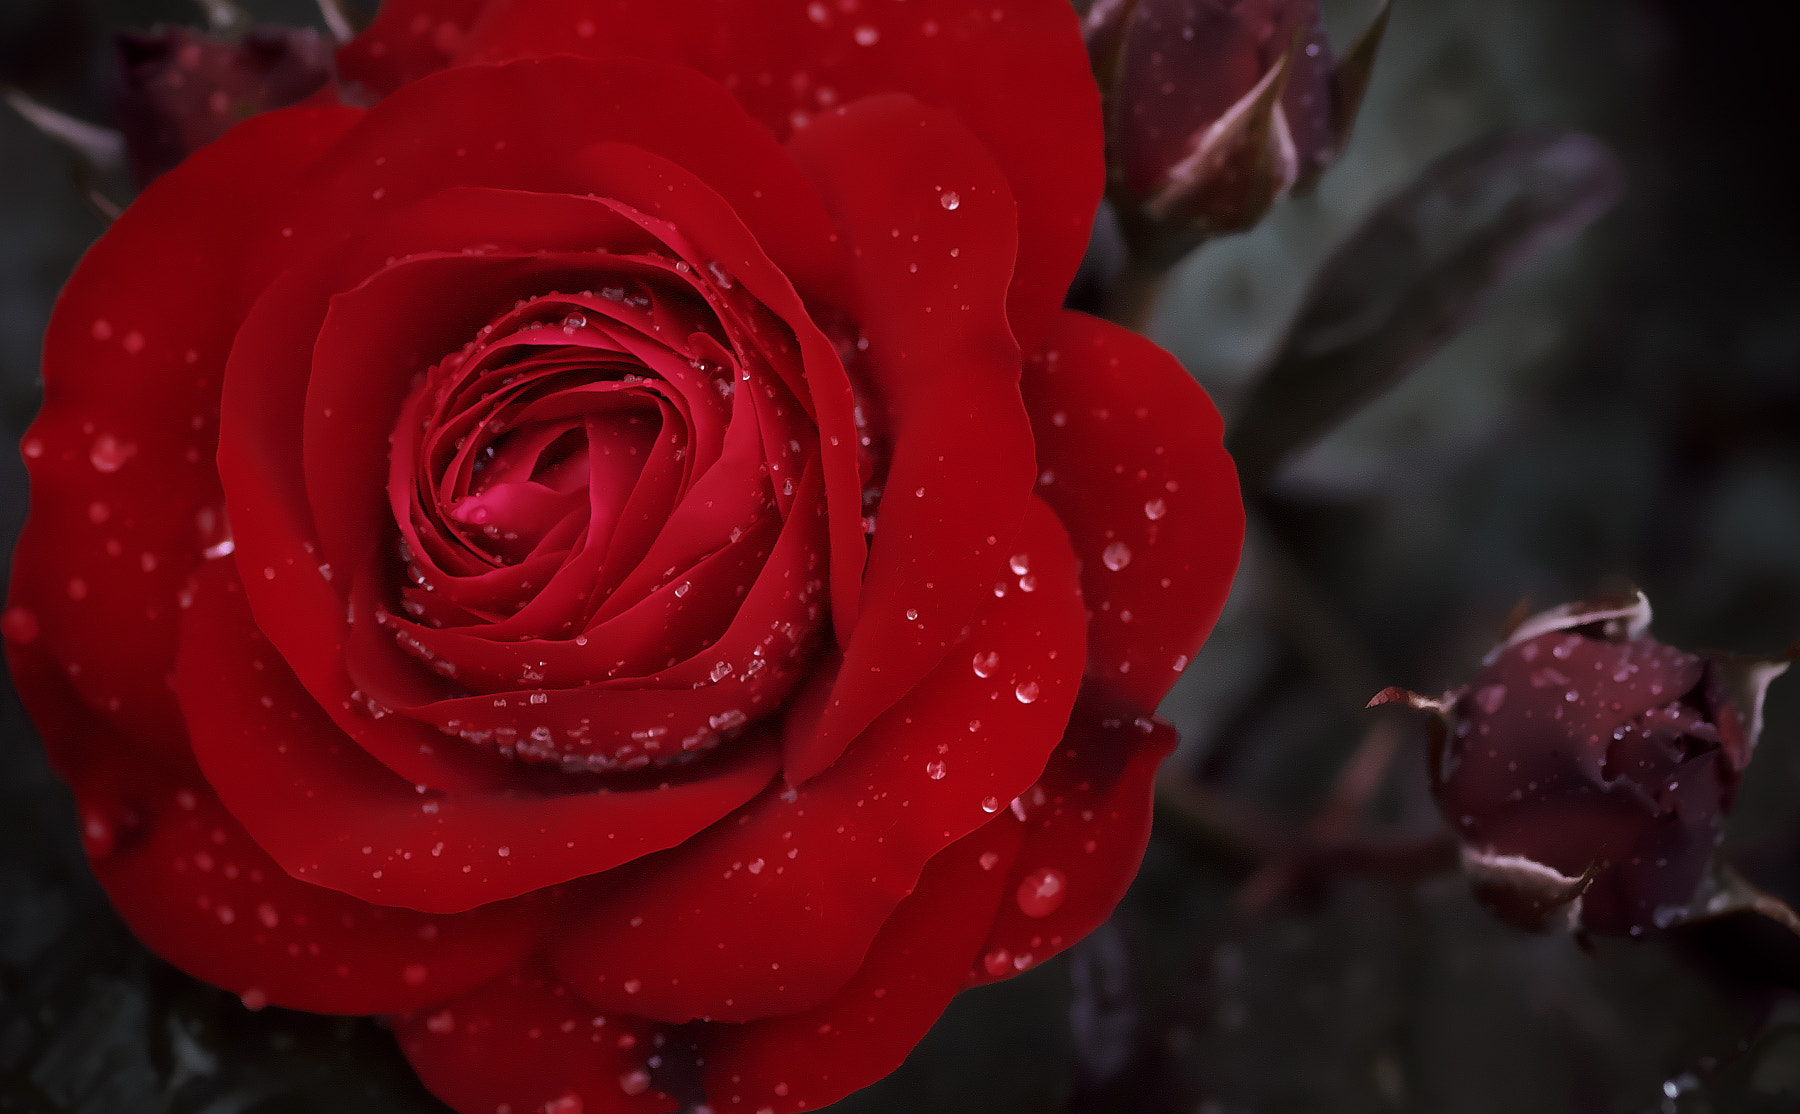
524 1043
121 454
1085 826
331 815
407 40
1132 459
936 329
203 894
808 1059
773 911
1014 72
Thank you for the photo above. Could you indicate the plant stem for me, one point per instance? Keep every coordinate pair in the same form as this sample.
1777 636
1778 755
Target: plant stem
1132 300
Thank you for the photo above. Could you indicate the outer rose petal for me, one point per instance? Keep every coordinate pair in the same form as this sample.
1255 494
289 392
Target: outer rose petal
407 40
1085 826
1014 72
523 1042
1134 462
771 911
331 814
121 454
929 297
203 895
804 1060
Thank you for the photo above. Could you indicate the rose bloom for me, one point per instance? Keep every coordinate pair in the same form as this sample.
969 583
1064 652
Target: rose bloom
613 554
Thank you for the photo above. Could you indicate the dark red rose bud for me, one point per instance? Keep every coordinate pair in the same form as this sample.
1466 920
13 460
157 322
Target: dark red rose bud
1588 768
180 89
1218 107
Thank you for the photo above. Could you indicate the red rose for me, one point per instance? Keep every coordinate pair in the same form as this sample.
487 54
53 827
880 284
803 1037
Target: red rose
572 556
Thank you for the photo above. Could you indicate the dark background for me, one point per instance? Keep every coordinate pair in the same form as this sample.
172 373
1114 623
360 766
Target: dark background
1625 411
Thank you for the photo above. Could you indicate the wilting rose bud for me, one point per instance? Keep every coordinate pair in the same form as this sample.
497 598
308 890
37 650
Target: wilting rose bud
1588 768
1217 107
181 89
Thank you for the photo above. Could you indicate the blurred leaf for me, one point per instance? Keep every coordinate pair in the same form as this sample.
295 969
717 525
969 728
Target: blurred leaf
1413 275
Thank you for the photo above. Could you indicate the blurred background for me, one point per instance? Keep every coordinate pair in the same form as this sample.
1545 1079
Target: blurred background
1625 410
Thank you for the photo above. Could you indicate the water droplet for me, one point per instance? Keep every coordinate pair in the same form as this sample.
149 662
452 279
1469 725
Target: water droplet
912 614
442 1022
635 1081
1489 698
632 986
574 321
1027 692
935 769
254 999
998 962
109 454
1020 564
949 200
986 662
990 805
1116 556
989 859
867 36
682 588
1042 892
1155 509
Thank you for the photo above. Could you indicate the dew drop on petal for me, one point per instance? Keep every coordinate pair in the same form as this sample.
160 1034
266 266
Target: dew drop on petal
1116 556
998 962
635 1081
1042 892
1489 698
108 454
949 199
936 769
990 805
867 35
989 859
1027 692
1155 509
986 662
1020 564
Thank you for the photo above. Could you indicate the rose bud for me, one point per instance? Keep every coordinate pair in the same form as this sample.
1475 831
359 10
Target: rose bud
180 89
1216 108
1588 769
610 552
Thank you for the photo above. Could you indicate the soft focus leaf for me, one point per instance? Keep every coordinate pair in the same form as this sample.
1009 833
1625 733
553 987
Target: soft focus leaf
1415 272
